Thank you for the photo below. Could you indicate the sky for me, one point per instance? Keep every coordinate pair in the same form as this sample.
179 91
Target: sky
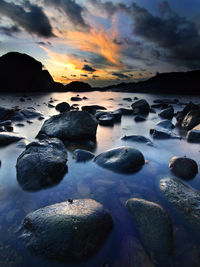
104 42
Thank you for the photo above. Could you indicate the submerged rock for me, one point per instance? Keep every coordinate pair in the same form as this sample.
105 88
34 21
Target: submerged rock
193 135
162 134
62 107
126 111
141 106
93 108
167 113
76 98
9 138
83 155
42 164
167 124
155 228
183 197
106 120
121 159
137 138
70 231
184 168
72 125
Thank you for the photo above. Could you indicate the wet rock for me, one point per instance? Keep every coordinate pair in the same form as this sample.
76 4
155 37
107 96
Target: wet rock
106 120
127 99
76 98
184 168
151 110
137 138
21 114
189 117
121 159
155 228
141 106
6 123
166 101
9 128
19 124
40 118
117 114
139 119
85 98
67 231
167 113
29 122
62 107
182 197
162 106
72 125
42 164
22 99
50 105
162 134
93 108
6 113
126 111
83 155
9 138
193 135
167 124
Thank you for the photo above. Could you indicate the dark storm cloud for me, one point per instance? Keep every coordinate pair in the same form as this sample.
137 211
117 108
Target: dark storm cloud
72 10
9 31
29 16
88 68
177 35
120 75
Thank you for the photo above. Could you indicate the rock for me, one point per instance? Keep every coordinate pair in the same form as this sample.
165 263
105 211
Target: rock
166 101
162 106
85 98
83 155
106 120
76 98
151 110
69 231
135 98
50 105
121 159
155 228
167 124
62 107
117 114
93 108
72 125
162 134
193 135
22 99
139 119
137 138
182 197
141 106
6 113
42 164
127 99
9 128
21 114
40 118
19 124
9 138
167 113
184 168
6 123
126 111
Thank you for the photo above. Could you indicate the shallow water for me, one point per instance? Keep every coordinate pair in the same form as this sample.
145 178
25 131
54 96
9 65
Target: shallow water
87 180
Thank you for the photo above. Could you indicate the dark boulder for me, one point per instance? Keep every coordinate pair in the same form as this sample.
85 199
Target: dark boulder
62 107
93 108
193 135
167 113
72 125
69 231
42 164
106 120
9 138
82 155
121 159
141 106
167 124
184 168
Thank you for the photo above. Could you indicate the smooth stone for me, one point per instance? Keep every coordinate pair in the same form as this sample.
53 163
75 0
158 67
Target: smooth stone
141 106
162 134
106 120
193 135
42 164
139 119
182 197
9 138
166 101
167 124
155 228
126 111
127 99
62 107
21 114
69 231
93 108
76 98
167 113
6 123
83 155
72 125
137 138
162 106
184 168
121 160
50 105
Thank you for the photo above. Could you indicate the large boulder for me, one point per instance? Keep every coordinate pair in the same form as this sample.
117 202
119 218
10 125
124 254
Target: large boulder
62 107
167 113
42 164
72 125
193 135
155 228
70 231
9 138
141 106
22 73
121 159
184 168
182 197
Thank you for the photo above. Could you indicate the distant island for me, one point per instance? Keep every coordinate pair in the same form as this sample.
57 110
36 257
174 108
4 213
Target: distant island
22 73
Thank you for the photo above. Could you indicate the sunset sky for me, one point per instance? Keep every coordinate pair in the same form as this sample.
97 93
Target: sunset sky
104 42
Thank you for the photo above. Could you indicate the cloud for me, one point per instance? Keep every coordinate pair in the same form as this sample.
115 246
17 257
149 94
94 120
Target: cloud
88 68
72 10
120 75
29 16
9 31
44 43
